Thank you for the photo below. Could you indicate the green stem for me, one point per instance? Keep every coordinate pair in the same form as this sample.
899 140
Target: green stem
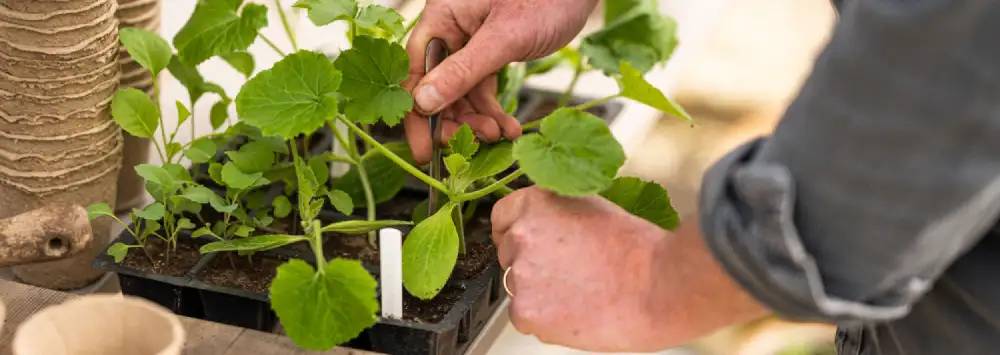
397 159
288 28
460 227
596 102
568 94
532 125
369 199
409 28
352 31
271 44
192 119
500 184
316 243
163 126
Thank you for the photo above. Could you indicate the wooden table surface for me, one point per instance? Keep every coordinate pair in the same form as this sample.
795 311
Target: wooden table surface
203 338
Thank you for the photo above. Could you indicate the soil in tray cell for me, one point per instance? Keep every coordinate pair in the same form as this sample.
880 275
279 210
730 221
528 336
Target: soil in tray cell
179 262
252 275
433 310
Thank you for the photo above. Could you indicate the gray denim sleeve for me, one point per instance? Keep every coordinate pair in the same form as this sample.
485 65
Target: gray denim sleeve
882 172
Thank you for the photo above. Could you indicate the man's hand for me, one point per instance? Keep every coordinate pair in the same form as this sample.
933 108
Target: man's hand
589 275
483 35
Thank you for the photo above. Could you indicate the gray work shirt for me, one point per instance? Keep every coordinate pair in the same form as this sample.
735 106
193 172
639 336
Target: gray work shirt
873 204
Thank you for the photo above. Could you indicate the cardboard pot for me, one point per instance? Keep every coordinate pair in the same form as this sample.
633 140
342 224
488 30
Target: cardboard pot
58 144
101 324
144 14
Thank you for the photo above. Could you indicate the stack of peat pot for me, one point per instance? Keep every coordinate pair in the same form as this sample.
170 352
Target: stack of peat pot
144 14
58 72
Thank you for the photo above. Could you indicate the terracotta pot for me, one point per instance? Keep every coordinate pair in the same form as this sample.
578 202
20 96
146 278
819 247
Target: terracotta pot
101 324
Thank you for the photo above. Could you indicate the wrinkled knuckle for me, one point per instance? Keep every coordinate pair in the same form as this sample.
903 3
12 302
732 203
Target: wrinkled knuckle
460 70
520 235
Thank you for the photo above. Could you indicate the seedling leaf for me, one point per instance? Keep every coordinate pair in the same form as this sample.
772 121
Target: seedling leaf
464 142
146 48
241 61
323 12
635 87
253 244
152 212
341 201
380 21
360 227
234 178
295 96
219 113
491 160
429 254
641 36
182 112
644 199
118 251
573 155
456 164
135 112
201 150
99 209
215 28
253 157
322 309
282 206
373 71
156 175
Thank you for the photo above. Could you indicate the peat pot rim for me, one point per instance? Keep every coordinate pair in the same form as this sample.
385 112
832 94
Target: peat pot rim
42 326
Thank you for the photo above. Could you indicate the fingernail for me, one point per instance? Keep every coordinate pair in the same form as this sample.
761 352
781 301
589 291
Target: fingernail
428 99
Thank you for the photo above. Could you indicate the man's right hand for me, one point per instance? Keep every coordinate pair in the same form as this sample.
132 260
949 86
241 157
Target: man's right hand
483 35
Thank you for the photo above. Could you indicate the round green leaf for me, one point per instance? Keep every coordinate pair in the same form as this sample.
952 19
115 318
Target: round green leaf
429 254
491 160
241 61
99 209
323 12
639 35
152 212
215 28
322 309
236 179
573 155
135 112
373 71
380 21
118 251
296 96
201 150
147 48
282 206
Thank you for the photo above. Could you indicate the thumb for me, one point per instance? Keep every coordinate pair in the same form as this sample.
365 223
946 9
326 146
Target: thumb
487 52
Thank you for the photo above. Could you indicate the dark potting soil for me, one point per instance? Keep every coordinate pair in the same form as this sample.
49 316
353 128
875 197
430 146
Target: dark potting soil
252 275
177 264
433 310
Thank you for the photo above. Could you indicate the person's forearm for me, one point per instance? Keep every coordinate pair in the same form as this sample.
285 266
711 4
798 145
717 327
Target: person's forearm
692 294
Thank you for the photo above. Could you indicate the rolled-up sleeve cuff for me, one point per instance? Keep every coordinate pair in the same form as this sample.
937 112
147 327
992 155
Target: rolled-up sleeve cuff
747 210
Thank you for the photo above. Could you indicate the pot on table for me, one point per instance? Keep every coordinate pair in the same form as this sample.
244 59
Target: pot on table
101 324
